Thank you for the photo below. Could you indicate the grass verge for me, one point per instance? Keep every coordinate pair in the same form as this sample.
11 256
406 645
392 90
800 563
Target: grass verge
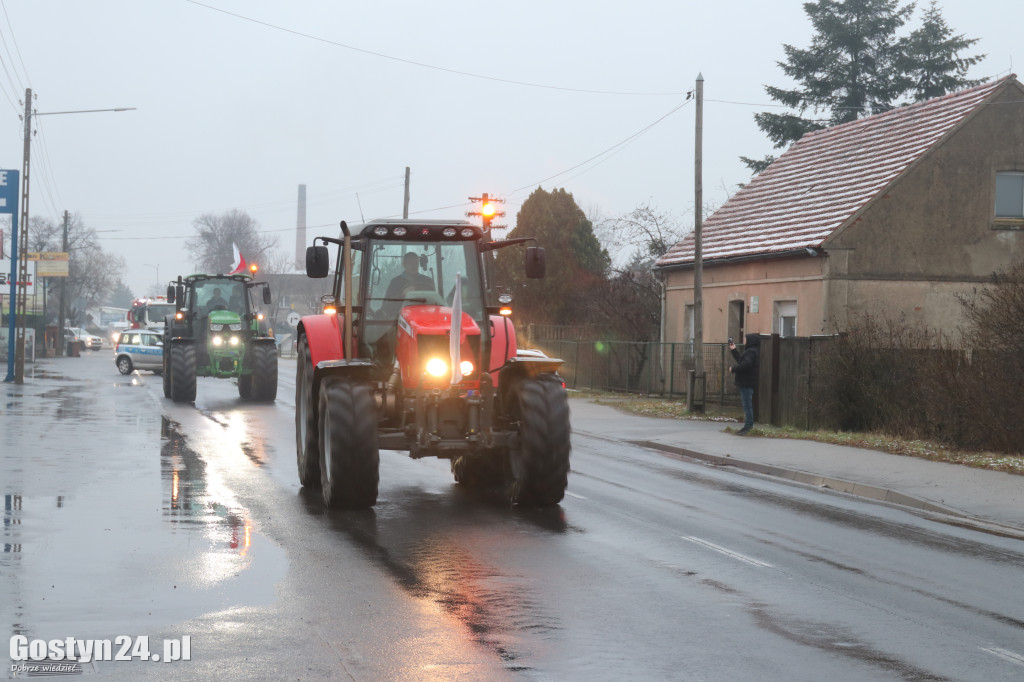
676 409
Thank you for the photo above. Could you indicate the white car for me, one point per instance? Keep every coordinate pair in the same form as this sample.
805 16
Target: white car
139 349
83 338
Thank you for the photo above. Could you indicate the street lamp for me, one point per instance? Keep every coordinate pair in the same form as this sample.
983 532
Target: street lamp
16 341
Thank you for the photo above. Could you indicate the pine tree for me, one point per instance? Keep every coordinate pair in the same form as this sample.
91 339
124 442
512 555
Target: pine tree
932 58
857 65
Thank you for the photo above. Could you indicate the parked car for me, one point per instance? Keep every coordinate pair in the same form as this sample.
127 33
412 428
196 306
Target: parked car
83 338
139 349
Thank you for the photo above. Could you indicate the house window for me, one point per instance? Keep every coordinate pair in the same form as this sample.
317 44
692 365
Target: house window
785 318
1010 195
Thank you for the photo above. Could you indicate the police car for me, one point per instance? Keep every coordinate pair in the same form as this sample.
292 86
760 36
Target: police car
139 349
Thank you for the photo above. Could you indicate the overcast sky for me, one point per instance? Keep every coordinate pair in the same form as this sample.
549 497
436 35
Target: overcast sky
240 101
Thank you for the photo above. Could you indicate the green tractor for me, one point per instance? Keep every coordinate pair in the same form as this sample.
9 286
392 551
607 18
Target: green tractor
217 331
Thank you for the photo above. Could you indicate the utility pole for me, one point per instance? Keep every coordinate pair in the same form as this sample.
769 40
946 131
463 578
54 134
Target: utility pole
63 290
405 204
487 212
697 393
22 295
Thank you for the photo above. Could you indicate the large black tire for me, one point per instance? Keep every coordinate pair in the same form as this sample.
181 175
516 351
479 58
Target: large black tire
539 467
124 365
307 437
167 366
349 455
245 386
264 376
183 373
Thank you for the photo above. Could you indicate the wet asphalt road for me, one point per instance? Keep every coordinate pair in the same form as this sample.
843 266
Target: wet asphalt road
126 514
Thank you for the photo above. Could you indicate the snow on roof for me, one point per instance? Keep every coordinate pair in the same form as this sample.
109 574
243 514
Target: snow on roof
825 179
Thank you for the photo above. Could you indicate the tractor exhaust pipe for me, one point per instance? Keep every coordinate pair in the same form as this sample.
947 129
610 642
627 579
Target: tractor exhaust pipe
347 264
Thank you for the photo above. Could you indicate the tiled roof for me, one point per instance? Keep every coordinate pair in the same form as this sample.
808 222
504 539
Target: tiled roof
825 179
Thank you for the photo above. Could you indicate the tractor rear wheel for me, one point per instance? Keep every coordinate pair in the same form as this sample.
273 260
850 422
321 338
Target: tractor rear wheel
245 386
264 375
539 466
349 455
183 373
307 439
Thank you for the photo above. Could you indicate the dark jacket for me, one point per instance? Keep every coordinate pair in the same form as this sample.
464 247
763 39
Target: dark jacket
746 368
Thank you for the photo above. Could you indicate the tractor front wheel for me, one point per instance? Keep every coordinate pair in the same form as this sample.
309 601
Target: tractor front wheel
183 373
349 455
307 439
539 467
167 367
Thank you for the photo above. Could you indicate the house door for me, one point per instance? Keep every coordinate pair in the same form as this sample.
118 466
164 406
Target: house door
736 327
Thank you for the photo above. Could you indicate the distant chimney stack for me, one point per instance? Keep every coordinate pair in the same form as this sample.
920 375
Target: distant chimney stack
300 232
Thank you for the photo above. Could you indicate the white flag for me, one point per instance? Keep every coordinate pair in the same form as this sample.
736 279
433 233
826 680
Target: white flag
455 340
239 265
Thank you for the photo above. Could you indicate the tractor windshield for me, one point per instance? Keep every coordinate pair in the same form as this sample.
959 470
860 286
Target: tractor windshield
220 294
405 273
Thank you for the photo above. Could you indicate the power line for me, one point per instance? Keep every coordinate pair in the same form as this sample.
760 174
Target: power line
422 64
606 151
14 40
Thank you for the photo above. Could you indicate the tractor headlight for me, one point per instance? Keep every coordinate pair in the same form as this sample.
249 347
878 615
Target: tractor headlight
218 341
237 327
466 367
436 367
216 327
233 341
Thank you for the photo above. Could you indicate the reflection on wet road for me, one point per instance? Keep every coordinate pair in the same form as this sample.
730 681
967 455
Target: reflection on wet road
110 521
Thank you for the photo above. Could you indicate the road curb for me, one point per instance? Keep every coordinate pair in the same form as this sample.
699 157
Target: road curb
841 485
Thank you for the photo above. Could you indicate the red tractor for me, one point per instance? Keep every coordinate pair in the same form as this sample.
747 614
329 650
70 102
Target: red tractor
408 355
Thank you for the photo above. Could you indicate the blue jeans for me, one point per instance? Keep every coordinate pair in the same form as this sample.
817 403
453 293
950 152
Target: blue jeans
747 399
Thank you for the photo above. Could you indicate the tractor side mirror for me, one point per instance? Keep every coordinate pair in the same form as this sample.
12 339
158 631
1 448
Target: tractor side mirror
170 293
317 262
266 295
535 264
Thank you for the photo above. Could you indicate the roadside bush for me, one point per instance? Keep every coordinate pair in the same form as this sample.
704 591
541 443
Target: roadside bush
882 375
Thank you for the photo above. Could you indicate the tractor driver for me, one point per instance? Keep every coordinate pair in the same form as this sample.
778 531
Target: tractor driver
217 301
410 279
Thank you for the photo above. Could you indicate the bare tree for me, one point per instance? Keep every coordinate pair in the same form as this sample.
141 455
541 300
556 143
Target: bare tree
92 272
211 248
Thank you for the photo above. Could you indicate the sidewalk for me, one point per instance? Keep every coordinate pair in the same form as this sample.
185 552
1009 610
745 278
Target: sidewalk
988 500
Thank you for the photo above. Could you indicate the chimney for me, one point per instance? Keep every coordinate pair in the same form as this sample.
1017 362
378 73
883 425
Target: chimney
300 232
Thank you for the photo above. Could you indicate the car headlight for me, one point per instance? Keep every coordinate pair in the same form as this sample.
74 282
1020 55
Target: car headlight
216 327
237 327
436 367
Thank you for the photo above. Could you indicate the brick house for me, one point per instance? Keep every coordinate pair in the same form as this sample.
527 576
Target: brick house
890 214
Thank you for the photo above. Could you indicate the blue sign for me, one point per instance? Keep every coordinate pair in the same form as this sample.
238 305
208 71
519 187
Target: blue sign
9 187
9 191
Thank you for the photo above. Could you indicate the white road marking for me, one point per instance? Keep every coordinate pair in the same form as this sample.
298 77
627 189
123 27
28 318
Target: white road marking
727 552
1004 654
578 497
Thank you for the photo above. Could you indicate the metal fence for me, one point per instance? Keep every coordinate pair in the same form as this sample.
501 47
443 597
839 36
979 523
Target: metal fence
649 368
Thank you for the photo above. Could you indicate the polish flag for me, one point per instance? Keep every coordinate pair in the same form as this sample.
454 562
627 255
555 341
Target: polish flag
239 264
455 337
